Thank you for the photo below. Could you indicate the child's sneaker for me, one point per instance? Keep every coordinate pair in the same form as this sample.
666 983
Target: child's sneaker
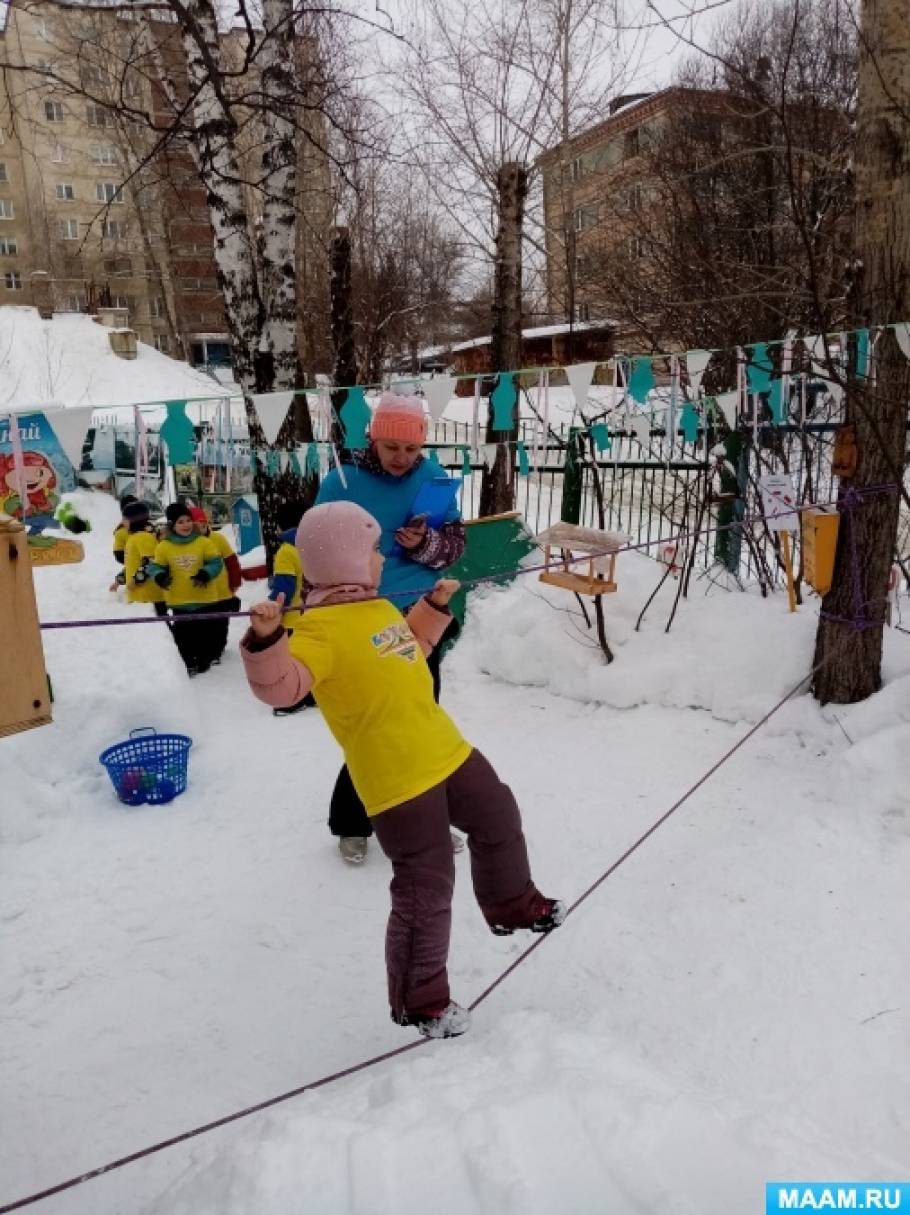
353 848
449 1022
547 915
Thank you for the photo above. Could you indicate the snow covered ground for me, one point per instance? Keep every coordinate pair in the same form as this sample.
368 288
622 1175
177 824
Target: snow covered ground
731 1006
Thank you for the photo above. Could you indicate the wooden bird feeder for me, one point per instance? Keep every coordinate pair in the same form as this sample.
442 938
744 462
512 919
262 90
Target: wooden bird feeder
26 699
597 575
819 530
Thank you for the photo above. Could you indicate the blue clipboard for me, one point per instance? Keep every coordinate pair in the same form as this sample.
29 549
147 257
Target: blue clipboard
434 500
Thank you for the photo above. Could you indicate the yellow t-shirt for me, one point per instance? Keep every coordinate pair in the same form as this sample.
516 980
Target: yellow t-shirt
374 688
139 546
184 561
287 561
220 582
121 535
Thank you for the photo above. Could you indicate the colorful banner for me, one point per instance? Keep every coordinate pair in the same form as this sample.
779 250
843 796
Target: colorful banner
48 472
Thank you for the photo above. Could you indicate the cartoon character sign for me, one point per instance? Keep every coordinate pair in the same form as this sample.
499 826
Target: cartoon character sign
40 484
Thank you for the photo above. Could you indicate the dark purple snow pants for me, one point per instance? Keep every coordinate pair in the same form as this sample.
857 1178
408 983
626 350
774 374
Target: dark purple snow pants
415 837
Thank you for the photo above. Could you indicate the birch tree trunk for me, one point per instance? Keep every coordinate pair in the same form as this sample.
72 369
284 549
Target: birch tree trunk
497 492
850 631
345 366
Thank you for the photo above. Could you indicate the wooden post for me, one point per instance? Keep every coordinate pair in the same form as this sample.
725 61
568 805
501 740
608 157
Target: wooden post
788 567
26 698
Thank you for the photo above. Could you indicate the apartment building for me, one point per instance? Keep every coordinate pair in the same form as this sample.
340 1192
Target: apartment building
93 210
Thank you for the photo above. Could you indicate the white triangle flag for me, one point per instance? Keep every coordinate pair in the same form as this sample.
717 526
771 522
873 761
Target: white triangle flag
696 362
726 402
580 376
438 393
70 426
489 454
640 425
284 460
902 333
815 344
272 408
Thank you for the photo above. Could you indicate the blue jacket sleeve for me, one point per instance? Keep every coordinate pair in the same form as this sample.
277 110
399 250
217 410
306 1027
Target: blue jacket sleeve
283 583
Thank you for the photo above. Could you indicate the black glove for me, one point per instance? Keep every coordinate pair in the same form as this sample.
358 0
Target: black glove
139 577
201 579
163 579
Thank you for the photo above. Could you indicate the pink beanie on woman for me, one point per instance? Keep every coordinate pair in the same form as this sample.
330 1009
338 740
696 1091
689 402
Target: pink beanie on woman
335 541
399 417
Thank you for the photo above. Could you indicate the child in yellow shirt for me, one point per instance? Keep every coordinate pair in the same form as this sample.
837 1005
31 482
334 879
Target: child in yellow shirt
185 566
226 583
410 765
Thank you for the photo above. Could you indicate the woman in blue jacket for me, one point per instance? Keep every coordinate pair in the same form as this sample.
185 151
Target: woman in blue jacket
384 479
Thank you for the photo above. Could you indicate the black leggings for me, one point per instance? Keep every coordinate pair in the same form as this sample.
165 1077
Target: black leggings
347 815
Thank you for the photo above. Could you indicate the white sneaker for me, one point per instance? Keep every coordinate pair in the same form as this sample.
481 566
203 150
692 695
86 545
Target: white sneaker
353 848
457 842
452 1022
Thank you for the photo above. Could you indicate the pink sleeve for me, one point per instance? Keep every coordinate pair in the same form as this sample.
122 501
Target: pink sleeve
274 676
428 624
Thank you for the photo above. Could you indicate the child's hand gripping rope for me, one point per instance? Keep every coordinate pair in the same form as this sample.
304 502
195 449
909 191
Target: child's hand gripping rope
266 617
443 591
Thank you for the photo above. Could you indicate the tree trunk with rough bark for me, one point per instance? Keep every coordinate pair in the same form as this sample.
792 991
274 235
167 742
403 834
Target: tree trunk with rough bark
345 365
849 638
497 493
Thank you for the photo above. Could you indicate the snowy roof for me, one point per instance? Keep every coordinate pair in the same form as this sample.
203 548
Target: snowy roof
527 335
69 360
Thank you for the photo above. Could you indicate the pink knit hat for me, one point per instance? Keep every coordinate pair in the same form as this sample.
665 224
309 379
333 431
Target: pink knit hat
335 541
399 417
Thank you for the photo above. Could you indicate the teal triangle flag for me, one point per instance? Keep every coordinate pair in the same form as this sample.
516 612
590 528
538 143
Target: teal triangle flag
862 353
177 431
600 433
524 464
355 417
776 401
433 458
641 379
759 368
689 422
295 465
273 463
312 460
466 461
503 400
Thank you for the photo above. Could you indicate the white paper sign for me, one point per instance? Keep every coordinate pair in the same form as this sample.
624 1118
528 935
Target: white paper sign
778 499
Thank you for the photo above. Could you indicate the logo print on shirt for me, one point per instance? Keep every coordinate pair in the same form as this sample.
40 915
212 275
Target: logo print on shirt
396 640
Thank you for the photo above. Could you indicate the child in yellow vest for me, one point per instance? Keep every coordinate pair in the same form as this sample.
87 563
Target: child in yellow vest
139 550
185 566
287 581
410 765
225 584
120 537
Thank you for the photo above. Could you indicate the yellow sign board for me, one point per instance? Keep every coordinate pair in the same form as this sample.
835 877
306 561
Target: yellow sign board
819 532
54 550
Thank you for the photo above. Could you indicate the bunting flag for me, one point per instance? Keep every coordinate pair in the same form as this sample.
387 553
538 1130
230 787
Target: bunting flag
438 392
902 333
273 464
503 400
600 434
727 402
433 458
311 464
689 422
177 432
759 368
295 464
524 464
466 462
71 426
776 401
284 461
355 418
580 376
640 426
815 345
641 379
696 362
862 353
489 454
271 409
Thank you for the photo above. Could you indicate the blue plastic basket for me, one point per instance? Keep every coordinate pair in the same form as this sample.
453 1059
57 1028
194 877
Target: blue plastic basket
150 767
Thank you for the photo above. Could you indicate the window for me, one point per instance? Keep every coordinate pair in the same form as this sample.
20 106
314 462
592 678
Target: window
576 169
3 175
585 217
60 156
582 312
162 342
578 219
72 303
7 210
122 301
156 308
630 146
97 116
53 111
637 246
69 229
108 191
104 154
9 246
13 280
118 265
582 267
631 198
65 191
114 229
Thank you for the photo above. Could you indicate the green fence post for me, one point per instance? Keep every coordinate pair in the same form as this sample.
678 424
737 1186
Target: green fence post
572 481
